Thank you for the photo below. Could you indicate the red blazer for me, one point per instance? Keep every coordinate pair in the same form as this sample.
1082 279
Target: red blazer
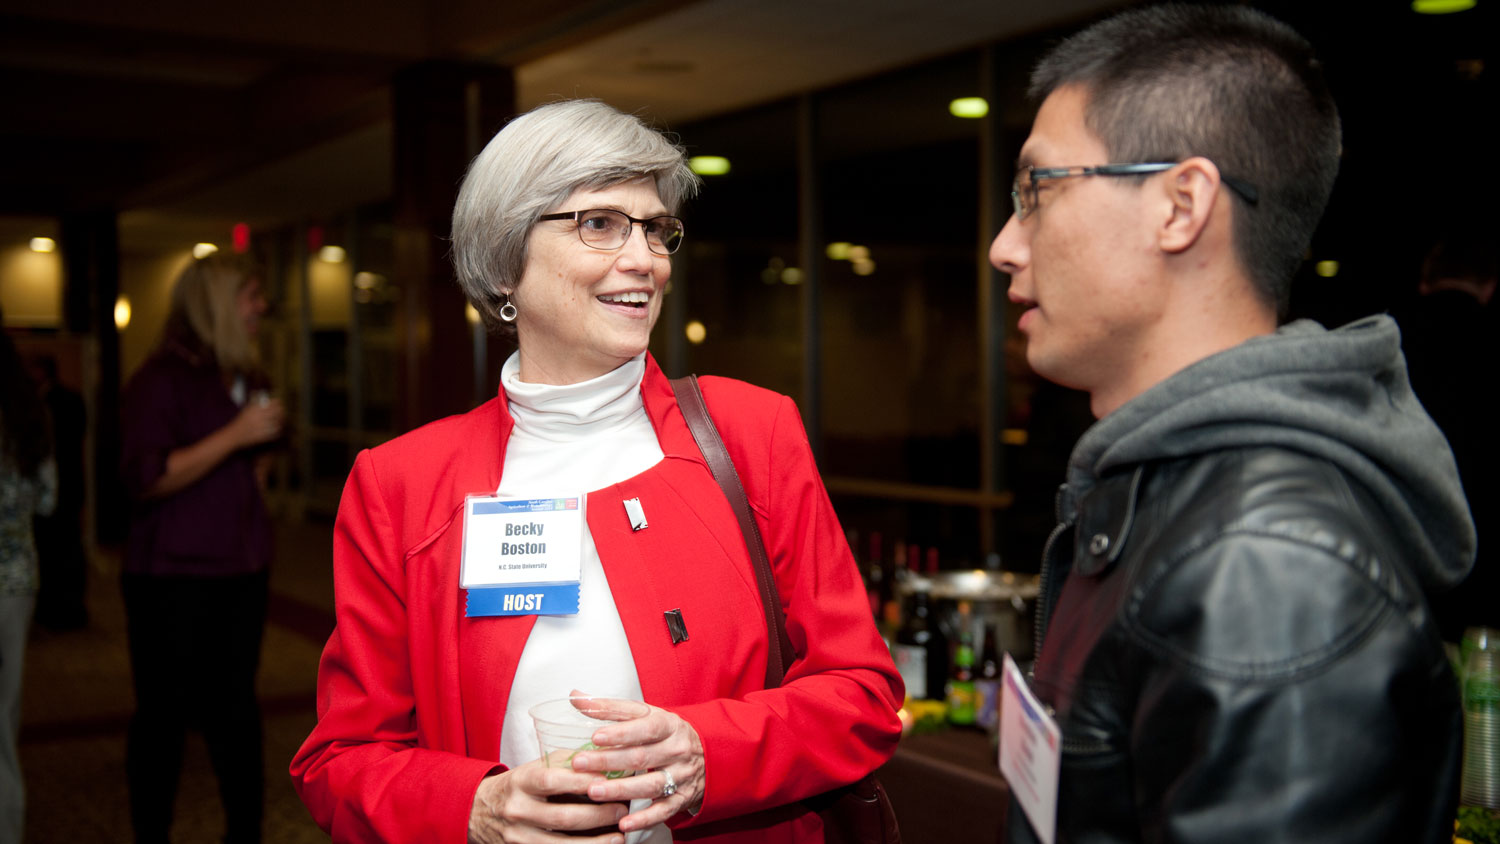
411 693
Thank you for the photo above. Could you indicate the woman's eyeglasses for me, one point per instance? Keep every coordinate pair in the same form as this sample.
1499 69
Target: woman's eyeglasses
605 228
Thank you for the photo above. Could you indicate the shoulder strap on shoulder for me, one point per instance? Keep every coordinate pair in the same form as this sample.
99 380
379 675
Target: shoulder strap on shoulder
711 444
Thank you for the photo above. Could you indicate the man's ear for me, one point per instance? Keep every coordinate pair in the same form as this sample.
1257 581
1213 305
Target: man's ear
1192 191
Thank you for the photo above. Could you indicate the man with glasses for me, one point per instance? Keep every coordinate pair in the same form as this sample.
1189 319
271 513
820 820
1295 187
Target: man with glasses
1237 644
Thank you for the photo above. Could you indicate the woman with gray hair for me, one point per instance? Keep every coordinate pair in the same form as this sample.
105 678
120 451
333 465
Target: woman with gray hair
568 538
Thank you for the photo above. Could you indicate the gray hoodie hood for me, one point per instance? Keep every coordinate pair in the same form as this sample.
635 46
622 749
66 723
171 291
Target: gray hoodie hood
1341 395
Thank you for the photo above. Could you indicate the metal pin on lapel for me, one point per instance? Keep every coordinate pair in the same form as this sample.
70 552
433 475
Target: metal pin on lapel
636 514
676 627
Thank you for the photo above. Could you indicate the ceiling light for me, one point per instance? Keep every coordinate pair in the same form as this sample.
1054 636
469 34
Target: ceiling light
696 332
43 244
970 107
838 251
1441 7
331 254
1327 269
122 313
709 165
203 250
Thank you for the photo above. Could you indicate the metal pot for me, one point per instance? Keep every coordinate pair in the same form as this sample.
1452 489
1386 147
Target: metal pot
1000 598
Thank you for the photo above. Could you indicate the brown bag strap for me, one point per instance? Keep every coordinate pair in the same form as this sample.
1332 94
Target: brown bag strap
860 813
706 434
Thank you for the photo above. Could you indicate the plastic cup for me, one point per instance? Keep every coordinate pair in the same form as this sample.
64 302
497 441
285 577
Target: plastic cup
566 726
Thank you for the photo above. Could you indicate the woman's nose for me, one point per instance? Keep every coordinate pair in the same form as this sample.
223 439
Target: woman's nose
636 251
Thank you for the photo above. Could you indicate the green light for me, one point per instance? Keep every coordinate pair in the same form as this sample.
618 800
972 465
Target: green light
709 165
971 107
1327 269
1441 7
838 250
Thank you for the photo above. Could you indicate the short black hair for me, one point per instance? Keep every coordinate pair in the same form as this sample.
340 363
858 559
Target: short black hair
1228 83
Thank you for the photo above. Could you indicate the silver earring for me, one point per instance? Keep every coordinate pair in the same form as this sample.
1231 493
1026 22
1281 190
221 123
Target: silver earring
508 310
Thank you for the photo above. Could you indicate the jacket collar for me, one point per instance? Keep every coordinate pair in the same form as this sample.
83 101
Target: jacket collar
666 417
1105 517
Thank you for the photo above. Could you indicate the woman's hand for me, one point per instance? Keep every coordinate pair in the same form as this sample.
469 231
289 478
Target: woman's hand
259 421
511 807
658 744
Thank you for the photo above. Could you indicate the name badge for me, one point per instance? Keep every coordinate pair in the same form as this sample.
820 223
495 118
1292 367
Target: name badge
1030 752
522 556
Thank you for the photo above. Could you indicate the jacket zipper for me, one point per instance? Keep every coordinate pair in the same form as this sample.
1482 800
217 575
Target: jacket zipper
1044 608
1079 746
1044 611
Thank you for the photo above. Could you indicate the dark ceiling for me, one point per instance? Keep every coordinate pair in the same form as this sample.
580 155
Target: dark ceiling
125 105
189 108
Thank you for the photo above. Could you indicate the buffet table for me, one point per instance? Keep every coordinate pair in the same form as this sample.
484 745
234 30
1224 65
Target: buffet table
946 787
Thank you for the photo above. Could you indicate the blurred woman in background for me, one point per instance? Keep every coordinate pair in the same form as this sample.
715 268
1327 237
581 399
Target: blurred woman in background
196 417
28 487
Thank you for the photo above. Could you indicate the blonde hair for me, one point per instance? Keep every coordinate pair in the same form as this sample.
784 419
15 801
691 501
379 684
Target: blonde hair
204 308
536 162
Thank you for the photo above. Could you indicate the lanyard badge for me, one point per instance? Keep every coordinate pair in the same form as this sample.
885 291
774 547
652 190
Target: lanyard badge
522 556
1030 752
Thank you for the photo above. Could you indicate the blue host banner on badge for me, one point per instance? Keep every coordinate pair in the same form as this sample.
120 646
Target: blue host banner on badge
522 556
549 599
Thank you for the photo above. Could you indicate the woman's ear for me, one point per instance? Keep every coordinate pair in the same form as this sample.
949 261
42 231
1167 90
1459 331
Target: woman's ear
1192 190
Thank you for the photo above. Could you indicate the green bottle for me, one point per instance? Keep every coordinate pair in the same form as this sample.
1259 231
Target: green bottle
961 693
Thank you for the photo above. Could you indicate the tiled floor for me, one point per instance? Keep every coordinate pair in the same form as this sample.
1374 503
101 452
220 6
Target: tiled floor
77 701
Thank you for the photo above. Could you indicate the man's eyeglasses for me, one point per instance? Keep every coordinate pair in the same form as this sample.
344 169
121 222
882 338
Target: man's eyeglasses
1023 194
605 228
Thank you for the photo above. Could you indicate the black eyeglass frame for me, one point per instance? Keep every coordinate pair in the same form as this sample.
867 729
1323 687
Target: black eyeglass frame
1242 188
577 217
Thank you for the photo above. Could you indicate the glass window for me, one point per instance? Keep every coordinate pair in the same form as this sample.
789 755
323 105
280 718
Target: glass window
899 177
739 314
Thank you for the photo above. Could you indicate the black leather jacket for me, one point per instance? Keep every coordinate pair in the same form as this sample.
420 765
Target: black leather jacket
1237 650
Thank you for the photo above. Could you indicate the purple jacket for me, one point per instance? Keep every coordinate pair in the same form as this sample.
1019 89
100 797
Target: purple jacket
217 526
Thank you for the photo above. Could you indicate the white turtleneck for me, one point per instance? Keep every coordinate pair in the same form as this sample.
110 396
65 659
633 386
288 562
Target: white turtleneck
575 438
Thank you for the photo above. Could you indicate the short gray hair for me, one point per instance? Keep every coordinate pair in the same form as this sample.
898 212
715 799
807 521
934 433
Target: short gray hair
538 160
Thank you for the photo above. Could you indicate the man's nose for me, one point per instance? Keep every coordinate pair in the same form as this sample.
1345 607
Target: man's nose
1010 253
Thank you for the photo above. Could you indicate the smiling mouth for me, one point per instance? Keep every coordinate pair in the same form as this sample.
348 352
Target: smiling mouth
635 298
